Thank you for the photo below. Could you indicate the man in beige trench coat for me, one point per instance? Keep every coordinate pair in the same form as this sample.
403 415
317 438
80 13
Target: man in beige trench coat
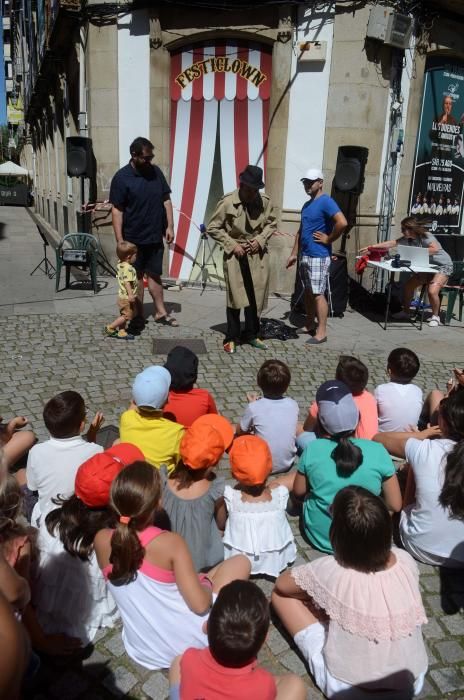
243 222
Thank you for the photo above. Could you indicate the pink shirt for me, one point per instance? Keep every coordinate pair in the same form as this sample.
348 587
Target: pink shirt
368 425
203 677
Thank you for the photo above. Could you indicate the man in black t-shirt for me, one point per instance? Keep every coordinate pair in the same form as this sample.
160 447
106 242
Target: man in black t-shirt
142 214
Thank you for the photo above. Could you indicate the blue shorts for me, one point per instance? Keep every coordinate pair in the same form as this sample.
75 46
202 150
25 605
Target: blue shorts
149 259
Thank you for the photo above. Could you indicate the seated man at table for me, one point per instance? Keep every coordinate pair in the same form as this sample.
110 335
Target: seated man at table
415 234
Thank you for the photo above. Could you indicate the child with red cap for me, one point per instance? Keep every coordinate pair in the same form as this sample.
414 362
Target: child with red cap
193 496
70 593
257 525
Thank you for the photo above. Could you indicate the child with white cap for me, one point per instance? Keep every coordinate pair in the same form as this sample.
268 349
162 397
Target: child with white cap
337 460
144 425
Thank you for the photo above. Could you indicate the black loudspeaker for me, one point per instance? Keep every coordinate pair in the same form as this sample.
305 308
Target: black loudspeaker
349 173
453 244
79 156
339 285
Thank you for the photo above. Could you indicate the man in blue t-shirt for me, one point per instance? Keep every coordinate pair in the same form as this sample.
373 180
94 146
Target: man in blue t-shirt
142 214
322 223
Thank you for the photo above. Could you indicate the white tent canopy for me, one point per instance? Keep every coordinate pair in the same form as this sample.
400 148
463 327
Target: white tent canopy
10 168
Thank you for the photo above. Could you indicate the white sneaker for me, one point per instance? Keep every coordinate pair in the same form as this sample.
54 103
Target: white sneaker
434 321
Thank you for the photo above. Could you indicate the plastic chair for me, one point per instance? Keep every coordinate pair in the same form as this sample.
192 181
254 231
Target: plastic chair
453 288
77 250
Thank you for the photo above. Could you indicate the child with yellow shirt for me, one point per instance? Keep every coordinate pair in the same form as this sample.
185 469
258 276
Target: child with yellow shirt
144 425
128 301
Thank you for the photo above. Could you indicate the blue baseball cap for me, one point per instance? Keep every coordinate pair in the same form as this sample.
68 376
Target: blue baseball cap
151 387
337 411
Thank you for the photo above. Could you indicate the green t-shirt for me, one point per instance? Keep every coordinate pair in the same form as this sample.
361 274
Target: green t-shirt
324 482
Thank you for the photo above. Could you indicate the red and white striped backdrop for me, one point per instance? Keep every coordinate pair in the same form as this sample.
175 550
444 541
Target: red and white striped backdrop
216 99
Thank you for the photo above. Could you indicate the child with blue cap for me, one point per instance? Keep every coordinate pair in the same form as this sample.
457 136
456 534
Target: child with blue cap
144 425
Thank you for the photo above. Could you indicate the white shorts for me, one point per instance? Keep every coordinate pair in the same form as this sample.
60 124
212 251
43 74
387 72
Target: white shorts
314 273
311 642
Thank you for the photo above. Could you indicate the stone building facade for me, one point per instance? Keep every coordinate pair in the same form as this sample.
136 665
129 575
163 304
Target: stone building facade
189 76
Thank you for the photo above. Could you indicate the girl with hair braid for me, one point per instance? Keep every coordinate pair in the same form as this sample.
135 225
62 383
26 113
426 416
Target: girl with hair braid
163 602
432 527
337 459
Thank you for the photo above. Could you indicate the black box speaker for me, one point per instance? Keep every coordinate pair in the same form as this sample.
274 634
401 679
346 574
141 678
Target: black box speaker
349 172
453 244
79 157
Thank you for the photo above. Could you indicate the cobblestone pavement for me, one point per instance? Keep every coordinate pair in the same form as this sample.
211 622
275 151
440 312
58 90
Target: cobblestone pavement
44 354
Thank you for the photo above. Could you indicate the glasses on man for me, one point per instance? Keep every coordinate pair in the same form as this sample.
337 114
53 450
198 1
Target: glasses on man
147 159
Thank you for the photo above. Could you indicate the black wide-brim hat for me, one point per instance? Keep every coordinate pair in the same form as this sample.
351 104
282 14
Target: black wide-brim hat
252 176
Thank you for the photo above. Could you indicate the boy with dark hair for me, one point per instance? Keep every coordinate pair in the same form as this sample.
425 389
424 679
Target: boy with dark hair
237 629
273 417
185 402
355 375
399 401
52 465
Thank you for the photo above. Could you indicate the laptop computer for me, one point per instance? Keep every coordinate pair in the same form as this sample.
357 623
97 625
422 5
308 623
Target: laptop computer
417 256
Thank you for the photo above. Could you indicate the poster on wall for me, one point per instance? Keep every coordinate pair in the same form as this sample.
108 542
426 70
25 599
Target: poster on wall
438 176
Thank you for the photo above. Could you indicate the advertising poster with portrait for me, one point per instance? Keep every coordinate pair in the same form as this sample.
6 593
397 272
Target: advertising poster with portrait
438 175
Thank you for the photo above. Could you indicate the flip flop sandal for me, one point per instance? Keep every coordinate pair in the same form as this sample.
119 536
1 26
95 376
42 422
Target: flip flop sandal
167 321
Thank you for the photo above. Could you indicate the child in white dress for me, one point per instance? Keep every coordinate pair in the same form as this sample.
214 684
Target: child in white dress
257 525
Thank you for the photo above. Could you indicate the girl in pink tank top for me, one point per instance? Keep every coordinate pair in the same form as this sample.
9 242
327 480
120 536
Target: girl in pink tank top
163 602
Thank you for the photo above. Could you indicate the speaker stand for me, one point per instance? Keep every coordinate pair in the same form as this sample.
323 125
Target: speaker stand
45 265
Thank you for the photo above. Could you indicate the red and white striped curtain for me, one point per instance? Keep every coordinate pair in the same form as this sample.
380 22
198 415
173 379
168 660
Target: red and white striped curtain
225 87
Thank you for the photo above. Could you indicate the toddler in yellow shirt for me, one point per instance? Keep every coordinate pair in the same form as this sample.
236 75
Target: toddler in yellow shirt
128 301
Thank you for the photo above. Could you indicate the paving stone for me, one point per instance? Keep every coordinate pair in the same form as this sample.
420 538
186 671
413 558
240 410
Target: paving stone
120 681
454 623
96 664
276 642
448 679
115 645
157 686
450 651
433 630
431 584
293 662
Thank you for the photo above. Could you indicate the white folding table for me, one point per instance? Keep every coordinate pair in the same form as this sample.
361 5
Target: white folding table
386 266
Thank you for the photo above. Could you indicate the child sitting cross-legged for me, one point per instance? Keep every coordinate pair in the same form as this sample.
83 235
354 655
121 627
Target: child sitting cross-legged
355 375
185 402
257 524
163 602
18 546
52 465
356 616
70 594
399 401
337 459
228 669
144 425
193 496
273 417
